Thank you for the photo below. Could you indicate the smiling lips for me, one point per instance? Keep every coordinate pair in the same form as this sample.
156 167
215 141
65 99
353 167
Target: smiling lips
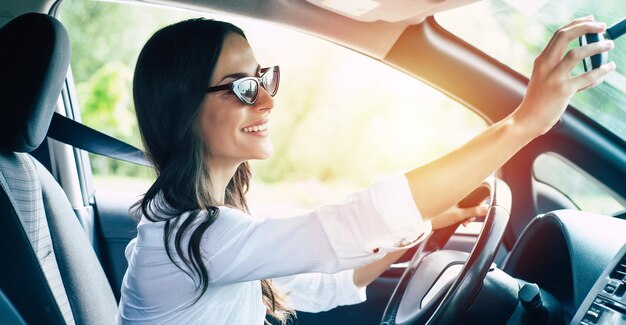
256 128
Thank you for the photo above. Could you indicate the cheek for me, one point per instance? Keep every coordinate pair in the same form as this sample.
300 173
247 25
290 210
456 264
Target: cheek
220 129
214 138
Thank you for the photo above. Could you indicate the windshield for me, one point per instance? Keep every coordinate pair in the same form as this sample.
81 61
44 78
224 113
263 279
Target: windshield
514 32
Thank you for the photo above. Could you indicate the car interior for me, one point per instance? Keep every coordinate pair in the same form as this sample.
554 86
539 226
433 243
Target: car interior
551 250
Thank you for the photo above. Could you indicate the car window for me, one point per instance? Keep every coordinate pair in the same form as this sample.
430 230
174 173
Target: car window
341 120
582 189
514 32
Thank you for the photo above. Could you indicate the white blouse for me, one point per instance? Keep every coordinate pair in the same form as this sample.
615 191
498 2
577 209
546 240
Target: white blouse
311 257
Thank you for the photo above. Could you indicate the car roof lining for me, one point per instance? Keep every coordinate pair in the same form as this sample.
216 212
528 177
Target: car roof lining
373 39
372 34
12 9
411 11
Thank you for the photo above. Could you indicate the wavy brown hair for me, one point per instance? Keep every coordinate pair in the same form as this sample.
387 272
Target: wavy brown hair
173 70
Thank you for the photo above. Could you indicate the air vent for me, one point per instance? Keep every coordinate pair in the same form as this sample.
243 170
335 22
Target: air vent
619 272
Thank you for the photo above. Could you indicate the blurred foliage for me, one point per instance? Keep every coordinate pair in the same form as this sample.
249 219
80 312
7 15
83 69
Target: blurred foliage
107 106
106 40
103 32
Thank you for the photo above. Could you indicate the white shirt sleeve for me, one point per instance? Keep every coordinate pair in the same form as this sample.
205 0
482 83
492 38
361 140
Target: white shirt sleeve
370 223
317 292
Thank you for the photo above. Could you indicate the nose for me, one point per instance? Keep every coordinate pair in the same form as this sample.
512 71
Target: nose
264 101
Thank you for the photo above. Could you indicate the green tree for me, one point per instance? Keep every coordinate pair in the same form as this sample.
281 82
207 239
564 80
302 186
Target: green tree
106 103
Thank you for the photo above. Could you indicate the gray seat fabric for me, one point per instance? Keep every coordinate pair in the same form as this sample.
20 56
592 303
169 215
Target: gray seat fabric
21 183
90 293
50 272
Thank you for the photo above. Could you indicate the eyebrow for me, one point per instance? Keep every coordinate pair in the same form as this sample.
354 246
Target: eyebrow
238 75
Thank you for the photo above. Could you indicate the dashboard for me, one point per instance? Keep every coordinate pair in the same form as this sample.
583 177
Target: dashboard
606 302
580 259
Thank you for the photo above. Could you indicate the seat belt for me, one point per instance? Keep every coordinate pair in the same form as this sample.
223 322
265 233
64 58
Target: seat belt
78 135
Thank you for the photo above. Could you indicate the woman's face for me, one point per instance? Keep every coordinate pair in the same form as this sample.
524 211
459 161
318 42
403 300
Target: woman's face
226 122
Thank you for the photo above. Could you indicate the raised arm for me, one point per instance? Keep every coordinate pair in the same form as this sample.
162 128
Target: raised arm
443 182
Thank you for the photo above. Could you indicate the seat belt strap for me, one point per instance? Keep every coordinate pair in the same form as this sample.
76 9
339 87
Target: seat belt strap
78 135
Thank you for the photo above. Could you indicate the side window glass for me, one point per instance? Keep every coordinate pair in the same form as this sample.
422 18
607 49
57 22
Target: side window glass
582 189
340 120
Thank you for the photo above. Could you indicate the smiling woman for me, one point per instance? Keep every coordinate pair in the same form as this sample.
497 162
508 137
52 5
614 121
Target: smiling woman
206 97
232 130
199 148
375 111
196 216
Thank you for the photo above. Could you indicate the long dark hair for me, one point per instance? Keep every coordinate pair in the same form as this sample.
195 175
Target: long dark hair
173 70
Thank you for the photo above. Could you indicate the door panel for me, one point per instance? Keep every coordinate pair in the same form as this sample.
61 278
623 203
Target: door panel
548 198
368 312
115 228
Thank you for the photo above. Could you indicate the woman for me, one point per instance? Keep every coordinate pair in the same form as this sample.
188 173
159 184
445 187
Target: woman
203 104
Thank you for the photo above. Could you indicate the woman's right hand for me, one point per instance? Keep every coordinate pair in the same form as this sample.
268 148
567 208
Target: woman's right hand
455 214
552 84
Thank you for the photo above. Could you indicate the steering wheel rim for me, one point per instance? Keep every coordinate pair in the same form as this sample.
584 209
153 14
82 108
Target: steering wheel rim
452 302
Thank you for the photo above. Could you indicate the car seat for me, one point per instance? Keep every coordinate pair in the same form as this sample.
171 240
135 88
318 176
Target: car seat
49 271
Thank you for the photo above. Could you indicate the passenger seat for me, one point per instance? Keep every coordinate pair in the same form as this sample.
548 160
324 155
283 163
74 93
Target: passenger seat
49 271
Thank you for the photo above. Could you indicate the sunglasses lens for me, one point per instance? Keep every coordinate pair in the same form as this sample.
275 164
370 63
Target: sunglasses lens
248 90
270 81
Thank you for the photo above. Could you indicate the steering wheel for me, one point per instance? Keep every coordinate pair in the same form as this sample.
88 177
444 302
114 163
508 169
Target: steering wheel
439 285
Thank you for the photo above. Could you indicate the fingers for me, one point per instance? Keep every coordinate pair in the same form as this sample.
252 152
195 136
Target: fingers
579 20
564 36
468 215
478 211
572 23
455 215
552 85
575 55
594 77
591 85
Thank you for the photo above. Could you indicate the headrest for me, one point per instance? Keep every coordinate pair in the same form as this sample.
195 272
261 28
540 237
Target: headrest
34 57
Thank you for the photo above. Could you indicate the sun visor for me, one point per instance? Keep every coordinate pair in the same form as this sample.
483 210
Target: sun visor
388 10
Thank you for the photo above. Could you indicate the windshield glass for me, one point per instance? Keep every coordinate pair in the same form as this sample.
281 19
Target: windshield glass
514 32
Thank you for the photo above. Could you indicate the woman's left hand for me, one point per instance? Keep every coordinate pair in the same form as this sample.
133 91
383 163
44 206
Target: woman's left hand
552 84
456 214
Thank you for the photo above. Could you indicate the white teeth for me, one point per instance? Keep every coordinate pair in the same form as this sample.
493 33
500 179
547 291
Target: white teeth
256 128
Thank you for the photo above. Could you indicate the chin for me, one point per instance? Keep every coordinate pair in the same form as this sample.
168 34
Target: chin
259 152
265 152
260 155
264 156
